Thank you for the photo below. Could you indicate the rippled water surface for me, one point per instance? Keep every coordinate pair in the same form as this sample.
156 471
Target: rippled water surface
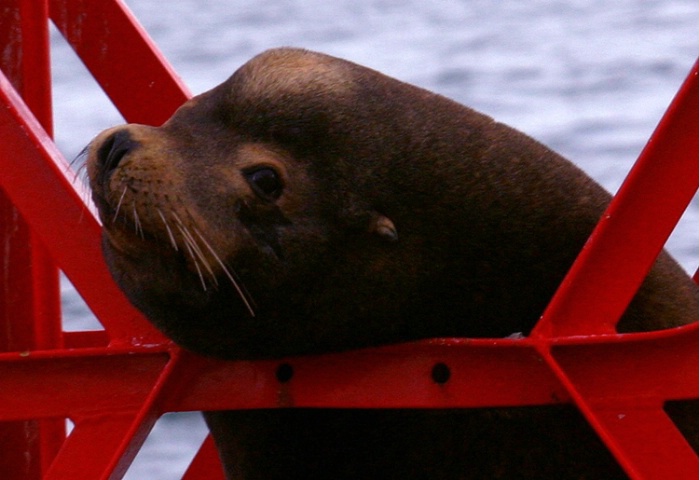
589 78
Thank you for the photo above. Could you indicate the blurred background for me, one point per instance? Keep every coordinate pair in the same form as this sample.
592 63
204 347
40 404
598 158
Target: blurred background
589 78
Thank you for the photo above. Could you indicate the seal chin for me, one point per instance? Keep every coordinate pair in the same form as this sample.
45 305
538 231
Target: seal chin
137 266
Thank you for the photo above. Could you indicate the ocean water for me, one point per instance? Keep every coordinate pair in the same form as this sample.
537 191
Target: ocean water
589 78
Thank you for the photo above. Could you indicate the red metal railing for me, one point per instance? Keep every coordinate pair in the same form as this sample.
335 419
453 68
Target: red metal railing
113 385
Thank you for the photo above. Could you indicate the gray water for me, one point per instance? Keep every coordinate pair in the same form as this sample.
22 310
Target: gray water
589 78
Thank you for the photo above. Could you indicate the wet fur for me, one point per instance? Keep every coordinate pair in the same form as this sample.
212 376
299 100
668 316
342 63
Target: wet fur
404 216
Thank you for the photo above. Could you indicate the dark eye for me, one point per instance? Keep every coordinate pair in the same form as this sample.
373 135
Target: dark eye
266 182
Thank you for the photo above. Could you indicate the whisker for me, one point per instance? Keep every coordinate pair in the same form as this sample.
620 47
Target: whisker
197 256
194 260
80 173
118 207
198 253
169 231
244 294
201 275
86 196
82 184
80 156
137 222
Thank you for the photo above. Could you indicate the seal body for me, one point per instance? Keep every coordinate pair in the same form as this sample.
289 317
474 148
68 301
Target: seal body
309 205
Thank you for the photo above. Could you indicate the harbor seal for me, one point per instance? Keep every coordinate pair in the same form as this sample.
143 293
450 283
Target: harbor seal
308 205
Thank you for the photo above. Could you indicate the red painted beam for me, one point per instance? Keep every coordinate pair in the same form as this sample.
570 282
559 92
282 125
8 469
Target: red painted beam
29 290
625 243
122 58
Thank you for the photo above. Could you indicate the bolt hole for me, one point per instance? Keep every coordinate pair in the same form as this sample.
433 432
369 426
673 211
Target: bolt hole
284 372
441 373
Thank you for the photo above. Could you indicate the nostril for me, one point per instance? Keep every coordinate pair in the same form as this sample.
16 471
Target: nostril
113 150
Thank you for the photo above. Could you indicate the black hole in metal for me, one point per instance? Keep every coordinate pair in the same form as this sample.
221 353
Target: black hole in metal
284 372
441 373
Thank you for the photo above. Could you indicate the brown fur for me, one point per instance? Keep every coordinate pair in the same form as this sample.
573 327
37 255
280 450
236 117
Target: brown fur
402 215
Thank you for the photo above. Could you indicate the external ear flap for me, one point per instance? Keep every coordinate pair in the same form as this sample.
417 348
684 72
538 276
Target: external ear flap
384 228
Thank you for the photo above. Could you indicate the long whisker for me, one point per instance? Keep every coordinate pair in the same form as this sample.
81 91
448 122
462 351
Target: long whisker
199 273
80 173
118 207
137 222
197 256
80 156
197 250
169 231
85 196
194 260
244 295
80 178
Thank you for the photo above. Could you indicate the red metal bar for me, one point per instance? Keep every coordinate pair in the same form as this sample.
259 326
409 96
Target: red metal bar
604 368
635 227
23 141
604 278
91 446
25 60
122 58
76 384
29 293
483 373
621 387
205 465
607 373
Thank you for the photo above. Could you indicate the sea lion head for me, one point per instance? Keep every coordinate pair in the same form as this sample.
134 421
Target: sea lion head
309 204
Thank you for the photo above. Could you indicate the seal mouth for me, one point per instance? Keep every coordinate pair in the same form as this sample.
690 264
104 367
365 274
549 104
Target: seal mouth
127 234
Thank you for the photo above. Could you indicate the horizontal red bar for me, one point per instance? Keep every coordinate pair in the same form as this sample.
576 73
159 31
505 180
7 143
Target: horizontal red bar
479 373
72 387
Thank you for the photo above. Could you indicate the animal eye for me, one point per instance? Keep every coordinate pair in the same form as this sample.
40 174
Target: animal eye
266 182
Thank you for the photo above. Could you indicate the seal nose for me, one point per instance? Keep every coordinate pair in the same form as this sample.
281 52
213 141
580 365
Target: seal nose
112 151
